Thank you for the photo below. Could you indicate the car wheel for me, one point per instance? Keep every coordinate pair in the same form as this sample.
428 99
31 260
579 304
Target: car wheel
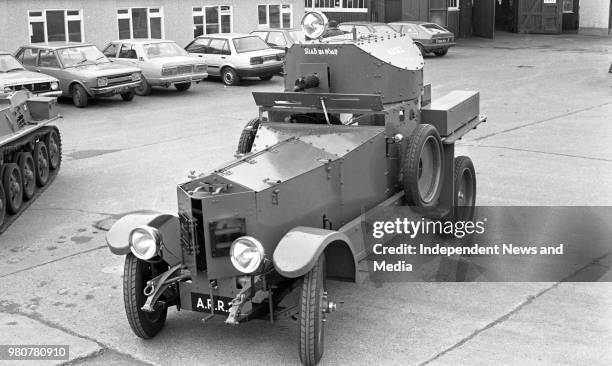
182 86
312 316
230 77
28 176
136 273
464 178
79 96
55 150
423 167
144 88
247 137
2 205
266 77
13 186
441 53
128 96
41 163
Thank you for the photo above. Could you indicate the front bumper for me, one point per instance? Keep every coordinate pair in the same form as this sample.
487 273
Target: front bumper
430 47
168 80
54 93
115 89
263 70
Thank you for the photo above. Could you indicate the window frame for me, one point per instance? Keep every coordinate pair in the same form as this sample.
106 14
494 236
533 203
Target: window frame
564 2
220 14
43 19
128 15
453 5
282 8
330 6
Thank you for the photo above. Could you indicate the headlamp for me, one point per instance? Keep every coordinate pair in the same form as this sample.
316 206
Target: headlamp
102 82
247 254
54 85
314 24
136 76
145 242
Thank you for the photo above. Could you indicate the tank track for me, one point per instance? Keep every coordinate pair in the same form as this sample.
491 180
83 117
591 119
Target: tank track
9 153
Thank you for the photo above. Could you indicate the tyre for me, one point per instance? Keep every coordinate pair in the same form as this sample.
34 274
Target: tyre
54 147
247 137
13 187
127 96
441 53
136 273
312 318
144 88
464 178
423 167
41 163
266 77
2 205
28 176
182 86
229 76
79 96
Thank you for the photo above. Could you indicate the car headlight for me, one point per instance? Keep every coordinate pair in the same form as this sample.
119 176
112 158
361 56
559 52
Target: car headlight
145 242
136 76
54 85
102 82
247 254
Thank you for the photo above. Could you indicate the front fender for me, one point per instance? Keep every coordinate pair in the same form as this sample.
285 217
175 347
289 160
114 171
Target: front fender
117 237
298 251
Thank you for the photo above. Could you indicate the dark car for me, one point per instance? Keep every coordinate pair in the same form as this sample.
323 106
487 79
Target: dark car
366 28
82 70
280 38
429 37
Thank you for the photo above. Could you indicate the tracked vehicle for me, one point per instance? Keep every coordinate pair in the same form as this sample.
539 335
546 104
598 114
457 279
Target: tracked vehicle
354 129
30 151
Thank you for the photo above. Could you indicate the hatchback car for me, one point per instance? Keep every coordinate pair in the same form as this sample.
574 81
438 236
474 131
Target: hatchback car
235 56
280 38
82 70
163 63
429 37
366 28
13 76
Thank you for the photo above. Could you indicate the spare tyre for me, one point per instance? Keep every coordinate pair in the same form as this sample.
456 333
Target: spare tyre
423 167
247 137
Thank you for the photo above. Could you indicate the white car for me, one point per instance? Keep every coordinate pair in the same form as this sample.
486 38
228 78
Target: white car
235 56
163 63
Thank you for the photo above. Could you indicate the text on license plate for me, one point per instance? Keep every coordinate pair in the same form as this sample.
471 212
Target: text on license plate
442 41
202 302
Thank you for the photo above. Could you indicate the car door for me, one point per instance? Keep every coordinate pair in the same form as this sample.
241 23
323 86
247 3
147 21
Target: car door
216 55
198 47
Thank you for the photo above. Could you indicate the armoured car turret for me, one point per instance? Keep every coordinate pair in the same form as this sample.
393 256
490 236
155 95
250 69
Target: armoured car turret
355 128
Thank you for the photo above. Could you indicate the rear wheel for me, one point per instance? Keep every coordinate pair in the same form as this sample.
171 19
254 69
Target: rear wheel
423 167
28 176
266 77
182 86
79 96
312 317
41 163
465 189
144 88
13 186
229 76
441 53
136 273
127 96
247 137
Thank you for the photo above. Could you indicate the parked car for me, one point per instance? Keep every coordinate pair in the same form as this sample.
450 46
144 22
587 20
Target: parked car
429 37
82 70
163 63
235 56
13 76
366 28
280 38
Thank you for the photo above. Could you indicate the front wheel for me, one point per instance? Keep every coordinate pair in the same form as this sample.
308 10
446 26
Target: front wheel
441 53
266 77
182 86
312 316
143 89
230 77
79 96
127 96
136 273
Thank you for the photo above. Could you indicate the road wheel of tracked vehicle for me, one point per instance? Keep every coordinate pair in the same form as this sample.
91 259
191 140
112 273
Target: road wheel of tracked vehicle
2 202
41 163
247 137
127 96
28 176
144 88
312 317
55 150
182 86
229 76
136 273
465 189
266 77
13 187
441 53
79 96
423 167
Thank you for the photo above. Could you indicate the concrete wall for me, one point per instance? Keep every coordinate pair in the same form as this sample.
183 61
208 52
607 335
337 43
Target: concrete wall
100 17
594 16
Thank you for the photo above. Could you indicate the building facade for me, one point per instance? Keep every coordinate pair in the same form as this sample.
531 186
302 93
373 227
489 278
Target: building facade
100 21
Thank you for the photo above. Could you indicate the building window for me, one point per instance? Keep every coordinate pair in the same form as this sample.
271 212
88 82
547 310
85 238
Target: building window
453 4
212 19
55 25
568 6
140 23
352 6
274 16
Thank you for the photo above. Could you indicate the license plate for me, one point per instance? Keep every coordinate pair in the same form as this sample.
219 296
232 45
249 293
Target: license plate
203 303
442 41
121 89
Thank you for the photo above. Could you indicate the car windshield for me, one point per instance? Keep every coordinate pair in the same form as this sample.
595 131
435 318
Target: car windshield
163 49
433 28
248 44
383 28
298 36
8 63
82 55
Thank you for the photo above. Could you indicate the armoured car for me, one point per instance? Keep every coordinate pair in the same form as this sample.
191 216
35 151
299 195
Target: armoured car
82 70
13 76
285 215
429 37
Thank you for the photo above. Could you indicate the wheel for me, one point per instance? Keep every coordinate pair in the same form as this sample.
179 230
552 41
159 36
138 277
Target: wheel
420 46
312 317
464 178
2 205
441 53
41 163
54 147
144 88
266 77
13 187
127 96
28 177
229 76
247 137
136 273
79 96
182 86
423 167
